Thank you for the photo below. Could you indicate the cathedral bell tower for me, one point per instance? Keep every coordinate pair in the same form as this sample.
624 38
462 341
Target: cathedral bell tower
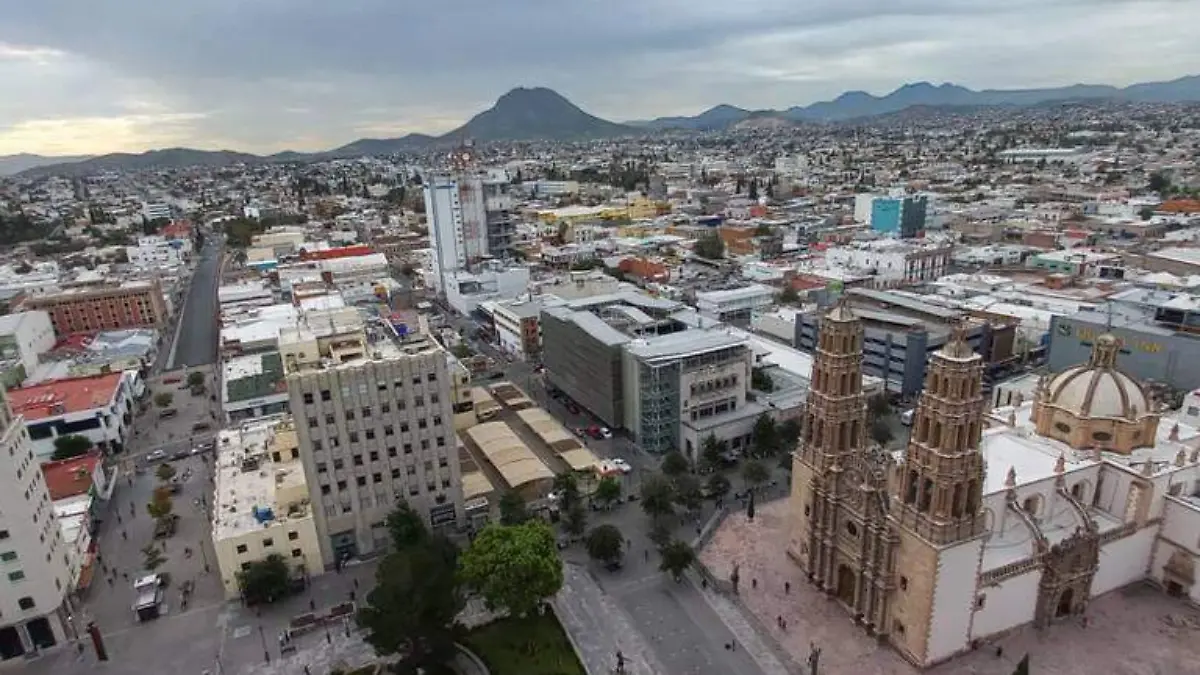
940 489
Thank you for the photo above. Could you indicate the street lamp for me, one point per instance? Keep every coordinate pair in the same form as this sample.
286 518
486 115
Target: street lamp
263 636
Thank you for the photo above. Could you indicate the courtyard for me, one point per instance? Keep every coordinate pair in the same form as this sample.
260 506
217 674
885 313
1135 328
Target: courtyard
1133 631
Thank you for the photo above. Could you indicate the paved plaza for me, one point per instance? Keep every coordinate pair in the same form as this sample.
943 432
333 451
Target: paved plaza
1135 631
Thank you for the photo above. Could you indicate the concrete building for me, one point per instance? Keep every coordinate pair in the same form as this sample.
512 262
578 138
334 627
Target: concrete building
23 337
156 211
469 218
261 502
893 262
253 386
518 325
33 558
154 251
99 408
736 306
492 280
901 216
1075 262
374 427
87 309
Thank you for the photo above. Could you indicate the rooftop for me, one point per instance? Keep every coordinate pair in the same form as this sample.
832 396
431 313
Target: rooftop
253 491
685 343
254 376
71 477
62 397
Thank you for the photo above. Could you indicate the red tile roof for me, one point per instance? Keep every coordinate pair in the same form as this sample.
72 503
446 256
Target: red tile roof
179 229
71 477
340 252
59 397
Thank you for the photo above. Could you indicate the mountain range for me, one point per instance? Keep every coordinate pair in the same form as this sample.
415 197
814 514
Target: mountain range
543 114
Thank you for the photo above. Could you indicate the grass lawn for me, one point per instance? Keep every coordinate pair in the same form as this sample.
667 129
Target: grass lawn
535 645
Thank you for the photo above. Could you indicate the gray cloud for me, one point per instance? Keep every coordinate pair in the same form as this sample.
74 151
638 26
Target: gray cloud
269 74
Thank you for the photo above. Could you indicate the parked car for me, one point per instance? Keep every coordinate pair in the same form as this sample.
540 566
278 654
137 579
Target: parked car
179 454
622 465
167 413
156 456
605 432
906 417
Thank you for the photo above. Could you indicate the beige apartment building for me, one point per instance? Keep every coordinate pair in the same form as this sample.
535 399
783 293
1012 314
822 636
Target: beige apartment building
373 430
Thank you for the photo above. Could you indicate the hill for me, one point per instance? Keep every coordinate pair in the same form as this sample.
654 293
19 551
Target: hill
536 114
14 164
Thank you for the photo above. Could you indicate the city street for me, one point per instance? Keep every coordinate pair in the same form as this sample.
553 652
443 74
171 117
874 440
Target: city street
195 340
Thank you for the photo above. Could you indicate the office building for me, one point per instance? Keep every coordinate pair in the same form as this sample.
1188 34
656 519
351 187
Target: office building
735 306
261 502
901 216
87 309
24 336
33 558
375 425
156 211
98 407
469 218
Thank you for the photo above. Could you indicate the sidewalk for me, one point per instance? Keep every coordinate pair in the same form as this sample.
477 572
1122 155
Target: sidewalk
599 629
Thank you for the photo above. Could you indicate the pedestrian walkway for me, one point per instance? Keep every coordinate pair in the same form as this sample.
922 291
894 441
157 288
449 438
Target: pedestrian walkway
747 635
599 629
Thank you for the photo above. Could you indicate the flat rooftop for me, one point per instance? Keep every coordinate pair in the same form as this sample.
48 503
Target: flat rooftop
249 483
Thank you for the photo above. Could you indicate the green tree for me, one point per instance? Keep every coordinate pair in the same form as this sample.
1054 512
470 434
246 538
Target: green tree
461 350
575 521
881 433
265 581
71 445
195 379
566 486
152 557
676 557
411 611
165 472
513 567
789 433
608 491
755 473
1159 183
712 452
761 380
406 527
878 407
512 508
160 505
674 463
1146 213
606 544
688 493
754 189
789 296
765 436
657 496
163 399
718 485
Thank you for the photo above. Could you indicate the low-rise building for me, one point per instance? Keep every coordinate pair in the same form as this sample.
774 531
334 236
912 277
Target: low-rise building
736 306
261 502
86 309
99 408
23 338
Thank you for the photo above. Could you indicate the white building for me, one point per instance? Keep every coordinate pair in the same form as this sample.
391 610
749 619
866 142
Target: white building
735 306
494 281
891 262
33 558
468 219
24 336
158 251
99 407
156 211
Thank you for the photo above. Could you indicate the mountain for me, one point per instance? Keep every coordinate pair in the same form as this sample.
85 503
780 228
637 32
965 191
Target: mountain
154 159
14 164
535 114
714 119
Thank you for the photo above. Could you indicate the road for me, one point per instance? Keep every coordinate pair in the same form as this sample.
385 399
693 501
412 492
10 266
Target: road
196 338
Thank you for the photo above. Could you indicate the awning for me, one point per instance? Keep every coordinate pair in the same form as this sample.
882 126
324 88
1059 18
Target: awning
86 572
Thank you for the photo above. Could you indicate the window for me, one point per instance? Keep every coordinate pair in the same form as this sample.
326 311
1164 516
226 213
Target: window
416 380
374 455
26 603
325 489
293 536
392 452
325 395
4 534
1065 428
330 419
242 548
296 553
1102 436
353 436
376 478
16 575
322 467
424 443
361 481
312 422
411 470
432 377
980 600
308 398
413 491
268 542
349 415
441 441
433 398
851 529
408 448
389 430
395 473
903 583
358 461
341 485
8 556
442 462
369 434
437 419
337 464
385 408
366 412
404 427
245 567
418 401
422 424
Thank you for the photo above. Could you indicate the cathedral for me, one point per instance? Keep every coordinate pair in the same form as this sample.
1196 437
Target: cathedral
988 521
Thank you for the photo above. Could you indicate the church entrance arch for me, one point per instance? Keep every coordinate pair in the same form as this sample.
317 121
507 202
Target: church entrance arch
1065 602
846 585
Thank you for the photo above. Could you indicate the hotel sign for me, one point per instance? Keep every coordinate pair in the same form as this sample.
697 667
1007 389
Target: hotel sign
1090 334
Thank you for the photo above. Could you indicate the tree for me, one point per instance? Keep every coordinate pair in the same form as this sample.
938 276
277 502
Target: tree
765 436
674 463
406 527
513 567
195 379
789 433
608 491
881 433
411 611
712 452
789 296
265 581
606 544
687 492
163 399
878 407
658 497
1146 213
754 189
71 445
1159 183
576 520
718 485
152 557
761 380
512 508
676 556
755 473
165 472
566 486
160 505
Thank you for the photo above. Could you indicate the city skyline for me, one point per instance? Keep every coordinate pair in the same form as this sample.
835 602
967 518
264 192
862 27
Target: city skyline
136 75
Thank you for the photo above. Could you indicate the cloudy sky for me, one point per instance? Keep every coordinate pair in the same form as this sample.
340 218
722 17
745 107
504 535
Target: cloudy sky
93 76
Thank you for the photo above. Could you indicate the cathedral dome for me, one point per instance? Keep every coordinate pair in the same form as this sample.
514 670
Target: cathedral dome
1098 389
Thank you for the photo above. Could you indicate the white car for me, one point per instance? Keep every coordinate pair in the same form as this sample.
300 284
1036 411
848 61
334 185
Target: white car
605 432
621 465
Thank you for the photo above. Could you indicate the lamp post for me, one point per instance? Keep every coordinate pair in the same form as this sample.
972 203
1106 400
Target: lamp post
263 636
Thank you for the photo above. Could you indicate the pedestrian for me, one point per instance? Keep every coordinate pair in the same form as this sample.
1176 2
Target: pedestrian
704 583
110 582
999 652
646 554
783 624
356 584
312 605
307 671
787 587
754 583
125 576
779 621
352 596
124 536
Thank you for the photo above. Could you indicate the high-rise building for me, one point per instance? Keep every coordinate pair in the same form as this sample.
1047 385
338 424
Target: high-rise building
33 557
375 430
469 218
904 216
